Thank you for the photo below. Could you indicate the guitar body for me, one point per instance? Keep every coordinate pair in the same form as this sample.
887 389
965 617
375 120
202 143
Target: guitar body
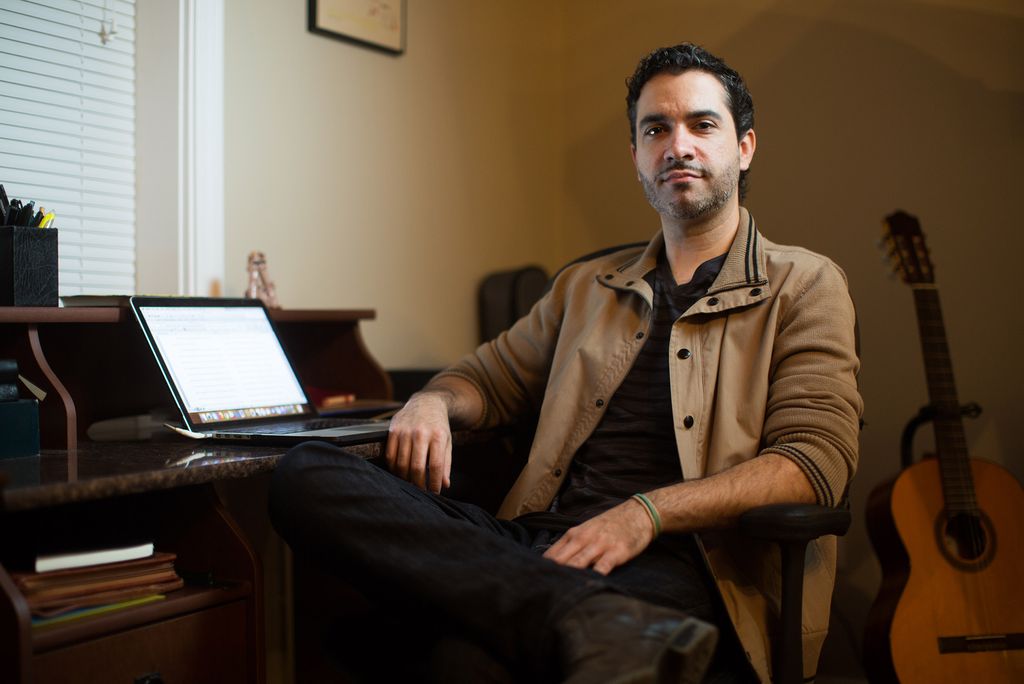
941 595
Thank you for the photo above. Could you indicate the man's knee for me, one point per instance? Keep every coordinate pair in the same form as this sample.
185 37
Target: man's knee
292 469
303 475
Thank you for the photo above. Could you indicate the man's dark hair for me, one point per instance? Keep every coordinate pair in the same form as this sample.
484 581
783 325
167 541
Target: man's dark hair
685 57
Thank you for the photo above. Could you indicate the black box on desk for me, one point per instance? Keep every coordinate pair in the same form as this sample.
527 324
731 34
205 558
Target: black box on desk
28 266
19 427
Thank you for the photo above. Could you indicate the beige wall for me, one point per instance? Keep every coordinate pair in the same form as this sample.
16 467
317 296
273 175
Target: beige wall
393 183
499 139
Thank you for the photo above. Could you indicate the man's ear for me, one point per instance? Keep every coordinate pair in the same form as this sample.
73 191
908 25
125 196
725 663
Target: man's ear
748 143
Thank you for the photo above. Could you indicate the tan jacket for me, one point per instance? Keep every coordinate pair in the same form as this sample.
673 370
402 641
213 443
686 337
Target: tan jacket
771 369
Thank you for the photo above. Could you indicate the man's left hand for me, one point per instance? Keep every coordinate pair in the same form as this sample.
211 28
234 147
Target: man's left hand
606 541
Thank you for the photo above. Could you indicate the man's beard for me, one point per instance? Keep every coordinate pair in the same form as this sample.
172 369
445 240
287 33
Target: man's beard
721 188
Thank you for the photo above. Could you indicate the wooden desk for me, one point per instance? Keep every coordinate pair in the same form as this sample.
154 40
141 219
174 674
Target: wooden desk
116 495
95 364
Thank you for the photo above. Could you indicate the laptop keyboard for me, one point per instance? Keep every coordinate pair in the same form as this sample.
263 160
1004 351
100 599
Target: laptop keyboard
300 426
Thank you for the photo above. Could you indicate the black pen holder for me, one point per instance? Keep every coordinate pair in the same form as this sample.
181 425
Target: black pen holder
28 266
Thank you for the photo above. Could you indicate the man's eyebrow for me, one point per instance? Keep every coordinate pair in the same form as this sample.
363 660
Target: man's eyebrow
704 114
652 118
656 117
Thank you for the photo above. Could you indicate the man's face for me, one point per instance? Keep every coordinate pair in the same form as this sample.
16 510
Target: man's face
686 152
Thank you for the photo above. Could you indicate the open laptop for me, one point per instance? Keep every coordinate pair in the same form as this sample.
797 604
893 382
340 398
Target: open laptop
230 377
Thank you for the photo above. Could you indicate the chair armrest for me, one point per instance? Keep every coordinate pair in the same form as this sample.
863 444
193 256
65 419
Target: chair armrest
792 526
794 522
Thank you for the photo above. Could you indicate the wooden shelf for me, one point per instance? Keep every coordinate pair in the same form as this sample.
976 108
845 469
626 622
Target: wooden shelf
45 314
186 600
118 314
94 362
188 521
55 314
321 315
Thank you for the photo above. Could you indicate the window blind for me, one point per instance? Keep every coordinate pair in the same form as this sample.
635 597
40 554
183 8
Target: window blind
67 131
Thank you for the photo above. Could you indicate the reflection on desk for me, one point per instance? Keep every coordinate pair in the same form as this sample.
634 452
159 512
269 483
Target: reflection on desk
96 471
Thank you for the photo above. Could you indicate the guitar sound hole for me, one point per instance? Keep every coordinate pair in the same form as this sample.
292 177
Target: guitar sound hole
967 535
966 539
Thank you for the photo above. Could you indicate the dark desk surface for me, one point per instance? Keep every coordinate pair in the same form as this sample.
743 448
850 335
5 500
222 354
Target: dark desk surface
100 470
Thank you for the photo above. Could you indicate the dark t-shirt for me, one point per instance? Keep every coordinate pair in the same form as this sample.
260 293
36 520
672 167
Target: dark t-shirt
633 447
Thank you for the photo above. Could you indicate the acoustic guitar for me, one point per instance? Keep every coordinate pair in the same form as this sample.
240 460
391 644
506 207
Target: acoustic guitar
949 531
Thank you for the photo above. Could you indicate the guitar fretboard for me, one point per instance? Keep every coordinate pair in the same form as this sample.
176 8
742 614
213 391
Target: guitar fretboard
950 442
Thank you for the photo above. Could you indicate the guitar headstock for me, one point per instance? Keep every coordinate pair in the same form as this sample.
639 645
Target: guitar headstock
906 248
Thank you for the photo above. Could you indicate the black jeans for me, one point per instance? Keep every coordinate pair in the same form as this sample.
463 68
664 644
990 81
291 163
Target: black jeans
483 578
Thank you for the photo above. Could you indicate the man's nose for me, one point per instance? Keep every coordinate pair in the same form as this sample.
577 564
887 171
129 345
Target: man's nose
680 145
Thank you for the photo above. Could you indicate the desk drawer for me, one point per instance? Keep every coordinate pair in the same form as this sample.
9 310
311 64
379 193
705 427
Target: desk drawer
205 646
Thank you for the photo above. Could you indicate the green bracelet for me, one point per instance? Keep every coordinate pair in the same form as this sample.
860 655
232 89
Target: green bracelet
651 511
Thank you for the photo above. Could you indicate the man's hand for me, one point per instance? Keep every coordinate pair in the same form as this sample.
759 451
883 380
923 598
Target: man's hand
605 541
420 442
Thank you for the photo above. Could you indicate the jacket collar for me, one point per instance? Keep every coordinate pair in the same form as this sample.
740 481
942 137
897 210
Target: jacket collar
743 279
745 264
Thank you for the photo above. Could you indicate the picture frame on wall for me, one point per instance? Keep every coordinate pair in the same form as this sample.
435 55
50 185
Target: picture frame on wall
379 24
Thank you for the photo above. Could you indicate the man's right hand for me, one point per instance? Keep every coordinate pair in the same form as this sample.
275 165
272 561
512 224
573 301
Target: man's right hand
420 441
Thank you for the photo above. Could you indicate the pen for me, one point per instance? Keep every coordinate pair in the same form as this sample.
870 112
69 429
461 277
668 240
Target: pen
12 212
47 220
25 217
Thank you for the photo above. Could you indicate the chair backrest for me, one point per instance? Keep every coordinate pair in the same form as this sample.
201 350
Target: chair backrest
506 296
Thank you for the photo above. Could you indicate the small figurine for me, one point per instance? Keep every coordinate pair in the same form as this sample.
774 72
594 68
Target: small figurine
260 285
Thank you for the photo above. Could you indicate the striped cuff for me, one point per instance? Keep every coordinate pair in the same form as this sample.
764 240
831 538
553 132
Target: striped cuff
815 475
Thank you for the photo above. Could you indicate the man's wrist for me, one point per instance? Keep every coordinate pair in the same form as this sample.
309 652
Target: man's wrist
449 399
460 399
651 511
443 395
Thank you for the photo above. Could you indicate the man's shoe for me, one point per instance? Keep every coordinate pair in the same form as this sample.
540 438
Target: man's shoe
613 639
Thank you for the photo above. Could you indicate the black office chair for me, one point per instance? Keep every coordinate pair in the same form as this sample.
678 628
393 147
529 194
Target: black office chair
504 297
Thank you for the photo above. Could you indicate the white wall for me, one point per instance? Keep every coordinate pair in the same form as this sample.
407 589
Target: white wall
156 147
393 183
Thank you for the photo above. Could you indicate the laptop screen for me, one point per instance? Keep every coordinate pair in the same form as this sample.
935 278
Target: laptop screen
225 362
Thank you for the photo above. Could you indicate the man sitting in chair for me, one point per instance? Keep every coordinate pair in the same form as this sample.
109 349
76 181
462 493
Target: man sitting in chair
677 386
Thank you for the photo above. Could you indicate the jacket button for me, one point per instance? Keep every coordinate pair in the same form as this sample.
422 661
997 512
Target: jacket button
640 335
756 291
558 472
713 301
683 353
599 403
688 422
